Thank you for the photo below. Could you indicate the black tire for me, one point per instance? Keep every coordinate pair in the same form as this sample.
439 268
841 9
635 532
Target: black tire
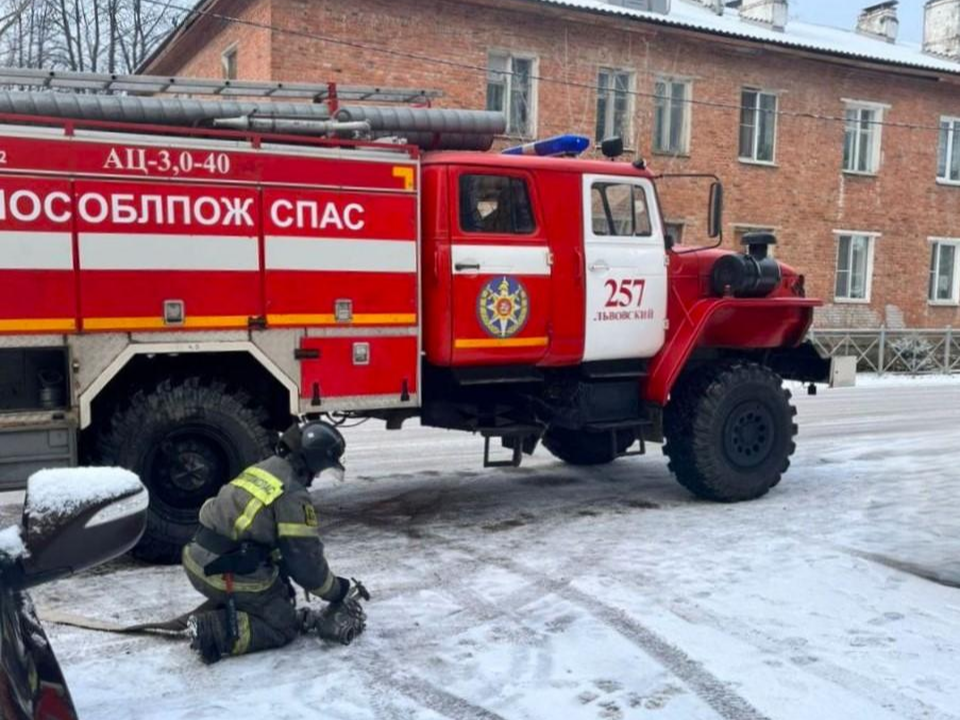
730 431
581 447
185 440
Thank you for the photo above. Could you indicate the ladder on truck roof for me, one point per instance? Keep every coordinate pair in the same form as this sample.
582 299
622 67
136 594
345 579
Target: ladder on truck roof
157 85
331 110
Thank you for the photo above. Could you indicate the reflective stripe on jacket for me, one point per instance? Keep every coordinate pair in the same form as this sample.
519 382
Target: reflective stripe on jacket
268 505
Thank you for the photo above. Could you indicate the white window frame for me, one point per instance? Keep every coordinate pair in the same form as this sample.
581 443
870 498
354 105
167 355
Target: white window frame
232 51
872 238
670 80
752 159
876 140
954 300
610 100
954 128
512 55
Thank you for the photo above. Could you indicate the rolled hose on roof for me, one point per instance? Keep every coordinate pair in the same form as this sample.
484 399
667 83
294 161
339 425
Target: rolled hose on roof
426 127
154 111
396 119
429 128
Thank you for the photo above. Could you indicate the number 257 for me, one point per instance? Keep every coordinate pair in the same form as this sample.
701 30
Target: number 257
625 293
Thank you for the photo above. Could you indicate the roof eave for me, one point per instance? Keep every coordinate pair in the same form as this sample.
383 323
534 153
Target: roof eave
769 43
192 17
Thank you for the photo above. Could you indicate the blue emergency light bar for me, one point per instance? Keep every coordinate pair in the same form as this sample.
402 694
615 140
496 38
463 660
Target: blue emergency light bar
559 146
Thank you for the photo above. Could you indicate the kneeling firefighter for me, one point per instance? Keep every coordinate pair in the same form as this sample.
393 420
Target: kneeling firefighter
255 536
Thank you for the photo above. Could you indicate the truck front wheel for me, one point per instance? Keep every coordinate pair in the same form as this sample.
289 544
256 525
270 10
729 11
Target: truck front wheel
730 432
185 440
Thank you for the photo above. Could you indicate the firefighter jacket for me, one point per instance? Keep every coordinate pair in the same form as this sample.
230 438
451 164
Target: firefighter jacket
269 506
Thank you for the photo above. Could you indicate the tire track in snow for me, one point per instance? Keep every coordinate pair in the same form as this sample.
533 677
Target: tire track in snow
903 705
481 610
709 688
424 693
717 694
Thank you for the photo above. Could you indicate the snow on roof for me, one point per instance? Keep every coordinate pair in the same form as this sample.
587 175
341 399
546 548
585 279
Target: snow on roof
800 35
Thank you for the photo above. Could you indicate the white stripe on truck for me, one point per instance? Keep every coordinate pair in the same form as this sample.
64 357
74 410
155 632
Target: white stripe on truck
149 251
337 254
36 250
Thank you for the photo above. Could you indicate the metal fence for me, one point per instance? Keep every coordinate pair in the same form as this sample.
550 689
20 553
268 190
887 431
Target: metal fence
882 350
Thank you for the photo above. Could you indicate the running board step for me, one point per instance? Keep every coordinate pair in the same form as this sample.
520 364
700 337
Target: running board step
518 439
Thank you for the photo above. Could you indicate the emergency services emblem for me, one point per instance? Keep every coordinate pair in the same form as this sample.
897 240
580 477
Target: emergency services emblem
503 307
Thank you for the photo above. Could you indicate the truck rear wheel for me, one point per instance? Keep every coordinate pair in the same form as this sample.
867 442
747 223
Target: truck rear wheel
730 432
185 440
582 447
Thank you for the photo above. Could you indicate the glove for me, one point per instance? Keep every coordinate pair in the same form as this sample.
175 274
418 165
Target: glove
341 621
343 587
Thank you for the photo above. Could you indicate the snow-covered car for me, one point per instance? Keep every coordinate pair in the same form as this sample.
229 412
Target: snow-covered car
72 520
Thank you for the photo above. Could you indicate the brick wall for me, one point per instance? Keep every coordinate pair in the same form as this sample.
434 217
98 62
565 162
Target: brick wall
805 197
198 51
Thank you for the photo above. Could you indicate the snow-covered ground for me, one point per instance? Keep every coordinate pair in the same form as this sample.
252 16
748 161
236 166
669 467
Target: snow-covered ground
553 592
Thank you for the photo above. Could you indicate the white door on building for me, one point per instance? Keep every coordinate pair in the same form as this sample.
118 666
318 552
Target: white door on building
626 274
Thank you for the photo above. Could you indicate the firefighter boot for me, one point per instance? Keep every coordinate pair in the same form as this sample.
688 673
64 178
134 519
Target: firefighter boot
207 636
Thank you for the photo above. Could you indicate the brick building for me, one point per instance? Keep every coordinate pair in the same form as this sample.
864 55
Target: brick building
844 142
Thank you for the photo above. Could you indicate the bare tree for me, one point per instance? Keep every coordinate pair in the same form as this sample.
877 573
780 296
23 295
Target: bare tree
113 36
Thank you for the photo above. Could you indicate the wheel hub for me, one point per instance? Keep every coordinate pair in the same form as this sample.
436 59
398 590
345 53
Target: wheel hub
748 435
189 467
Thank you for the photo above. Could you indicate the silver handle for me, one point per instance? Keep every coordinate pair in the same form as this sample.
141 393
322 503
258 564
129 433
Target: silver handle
599 266
468 265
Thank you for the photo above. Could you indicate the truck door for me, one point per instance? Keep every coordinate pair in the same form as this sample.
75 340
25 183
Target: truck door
626 288
501 268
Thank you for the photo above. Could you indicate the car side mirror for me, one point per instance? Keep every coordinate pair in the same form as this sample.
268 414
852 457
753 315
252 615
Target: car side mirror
76 519
715 217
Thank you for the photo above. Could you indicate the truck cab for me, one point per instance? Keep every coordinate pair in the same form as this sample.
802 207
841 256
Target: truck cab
542 262
559 312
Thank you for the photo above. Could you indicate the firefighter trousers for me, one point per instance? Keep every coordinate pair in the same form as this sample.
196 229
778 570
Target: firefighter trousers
266 612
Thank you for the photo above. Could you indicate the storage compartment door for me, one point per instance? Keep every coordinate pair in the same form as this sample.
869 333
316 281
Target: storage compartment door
359 372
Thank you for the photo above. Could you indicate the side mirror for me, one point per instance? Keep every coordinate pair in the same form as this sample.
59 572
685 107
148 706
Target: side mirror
76 519
612 147
715 217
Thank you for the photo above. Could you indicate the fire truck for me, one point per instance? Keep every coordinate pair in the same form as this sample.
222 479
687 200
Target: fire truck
181 278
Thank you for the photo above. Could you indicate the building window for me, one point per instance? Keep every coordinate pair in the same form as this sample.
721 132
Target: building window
495 204
510 90
944 278
758 126
854 266
671 123
948 166
228 62
614 105
674 231
861 139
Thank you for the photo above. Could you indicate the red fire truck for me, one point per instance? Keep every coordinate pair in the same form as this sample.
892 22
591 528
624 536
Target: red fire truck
171 297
